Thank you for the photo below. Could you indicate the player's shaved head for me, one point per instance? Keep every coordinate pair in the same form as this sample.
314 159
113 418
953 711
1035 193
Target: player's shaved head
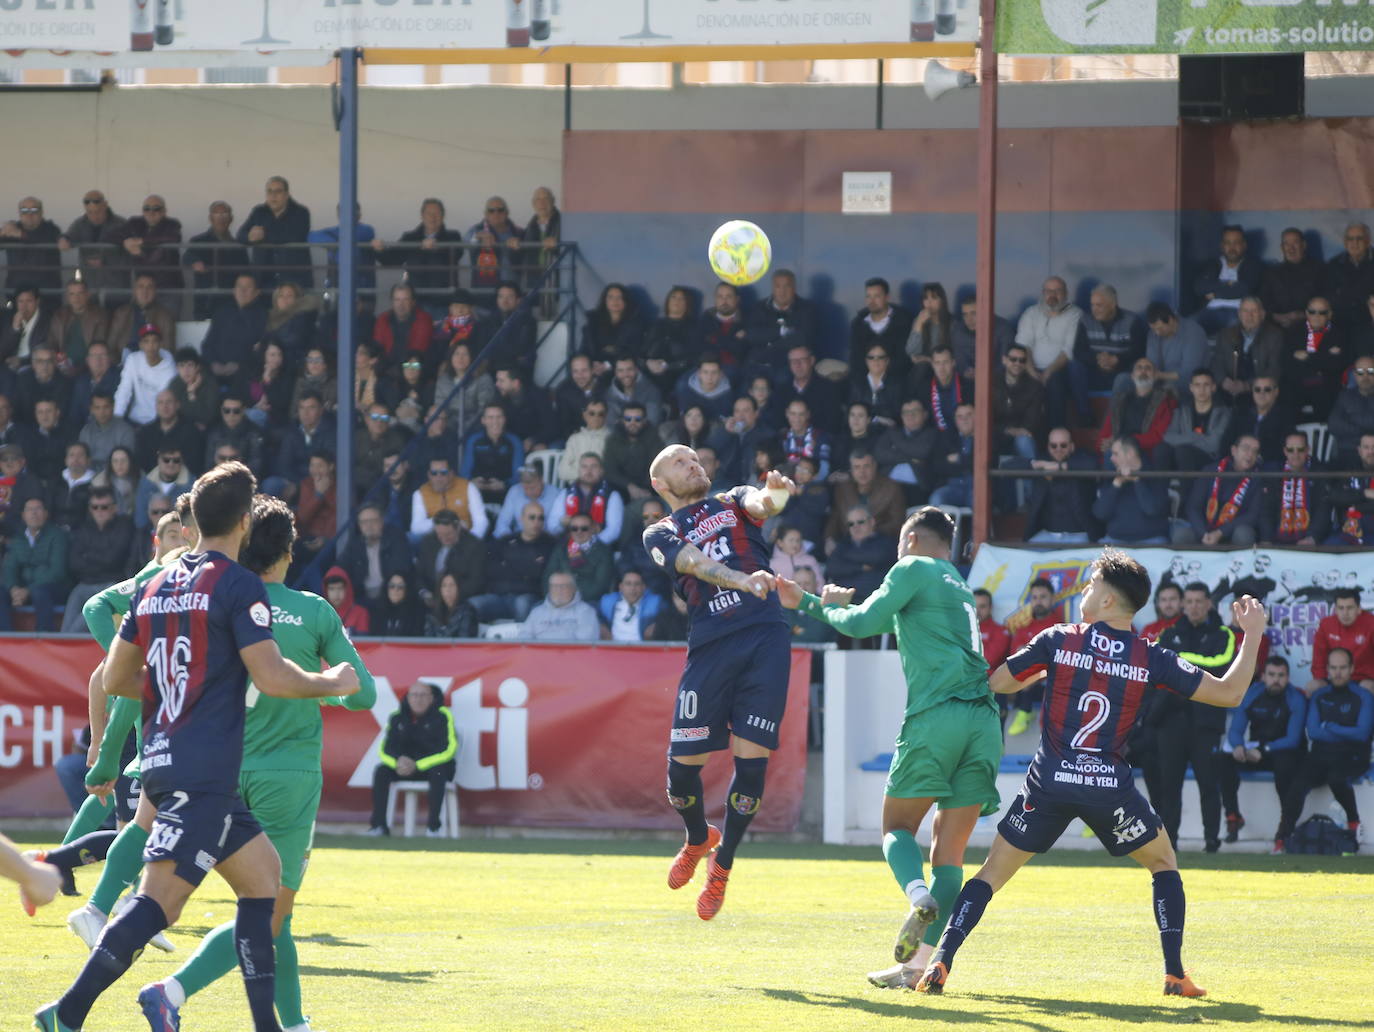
271 537
677 475
1125 577
932 524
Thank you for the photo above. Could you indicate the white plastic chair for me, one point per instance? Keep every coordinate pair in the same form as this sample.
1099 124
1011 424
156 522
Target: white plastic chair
1320 443
547 460
414 792
501 630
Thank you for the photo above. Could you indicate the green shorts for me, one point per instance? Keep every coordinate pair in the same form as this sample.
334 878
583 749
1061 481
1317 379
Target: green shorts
950 752
285 803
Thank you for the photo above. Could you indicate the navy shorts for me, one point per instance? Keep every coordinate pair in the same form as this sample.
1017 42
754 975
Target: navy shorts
736 684
1123 822
196 830
126 793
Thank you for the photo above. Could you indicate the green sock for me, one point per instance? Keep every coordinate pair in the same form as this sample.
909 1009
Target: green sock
214 958
288 996
903 855
122 864
946 881
89 818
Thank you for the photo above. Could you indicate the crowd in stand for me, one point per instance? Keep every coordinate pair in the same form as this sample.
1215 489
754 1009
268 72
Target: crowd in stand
487 497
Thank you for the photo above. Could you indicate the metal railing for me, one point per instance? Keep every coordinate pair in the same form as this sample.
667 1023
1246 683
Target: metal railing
433 270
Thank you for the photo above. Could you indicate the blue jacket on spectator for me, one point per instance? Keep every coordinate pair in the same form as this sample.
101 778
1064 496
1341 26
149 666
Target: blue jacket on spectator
1330 708
1240 720
647 612
483 457
1135 511
294 451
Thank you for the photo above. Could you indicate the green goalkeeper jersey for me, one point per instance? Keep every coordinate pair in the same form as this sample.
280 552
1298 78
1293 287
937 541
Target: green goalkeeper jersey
930 608
288 734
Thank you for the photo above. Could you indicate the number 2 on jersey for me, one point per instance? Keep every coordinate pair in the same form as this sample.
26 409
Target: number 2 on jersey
1101 707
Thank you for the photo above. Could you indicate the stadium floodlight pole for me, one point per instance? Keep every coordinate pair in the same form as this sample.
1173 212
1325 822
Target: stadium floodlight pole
346 122
984 354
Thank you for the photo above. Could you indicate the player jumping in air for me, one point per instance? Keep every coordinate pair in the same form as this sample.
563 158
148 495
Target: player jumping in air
1097 674
202 626
281 777
950 744
734 686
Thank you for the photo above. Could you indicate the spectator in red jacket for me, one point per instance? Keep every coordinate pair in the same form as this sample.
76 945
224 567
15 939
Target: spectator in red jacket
1348 627
404 329
338 591
1040 598
996 638
1143 409
1168 604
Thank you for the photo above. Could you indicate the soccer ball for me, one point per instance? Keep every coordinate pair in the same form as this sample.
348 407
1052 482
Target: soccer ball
739 253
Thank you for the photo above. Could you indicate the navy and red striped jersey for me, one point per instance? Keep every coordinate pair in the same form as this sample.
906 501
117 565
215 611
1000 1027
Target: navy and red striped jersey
191 620
1096 678
722 528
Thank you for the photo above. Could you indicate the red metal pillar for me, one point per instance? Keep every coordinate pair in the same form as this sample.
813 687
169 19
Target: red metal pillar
985 358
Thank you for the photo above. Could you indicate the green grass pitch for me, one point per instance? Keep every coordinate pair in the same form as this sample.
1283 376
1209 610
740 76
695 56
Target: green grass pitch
563 935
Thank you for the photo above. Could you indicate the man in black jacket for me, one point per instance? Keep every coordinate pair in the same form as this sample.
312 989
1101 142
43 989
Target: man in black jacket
1189 732
880 322
783 321
1060 508
861 559
451 548
279 220
515 569
374 554
96 554
420 745
429 253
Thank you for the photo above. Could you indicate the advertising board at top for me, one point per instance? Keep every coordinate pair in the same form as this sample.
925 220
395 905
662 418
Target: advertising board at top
154 32
1029 27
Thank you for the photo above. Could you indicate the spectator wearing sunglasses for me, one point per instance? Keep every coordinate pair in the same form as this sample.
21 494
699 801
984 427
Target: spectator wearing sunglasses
1267 418
629 452
237 430
1349 277
1060 508
1352 416
1314 357
1297 509
99 546
444 492
169 478
40 266
97 224
149 243
498 241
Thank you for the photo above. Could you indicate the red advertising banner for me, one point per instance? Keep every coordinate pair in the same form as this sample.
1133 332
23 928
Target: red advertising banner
549 735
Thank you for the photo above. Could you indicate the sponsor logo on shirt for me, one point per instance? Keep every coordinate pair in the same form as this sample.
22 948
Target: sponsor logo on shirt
711 524
260 614
1108 646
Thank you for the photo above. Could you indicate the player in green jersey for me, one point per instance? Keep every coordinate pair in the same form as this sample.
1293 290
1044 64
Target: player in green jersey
950 745
280 779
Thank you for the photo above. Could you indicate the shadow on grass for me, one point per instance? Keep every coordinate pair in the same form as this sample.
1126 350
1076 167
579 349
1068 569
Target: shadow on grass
401 977
1116 1015
764 849
325 939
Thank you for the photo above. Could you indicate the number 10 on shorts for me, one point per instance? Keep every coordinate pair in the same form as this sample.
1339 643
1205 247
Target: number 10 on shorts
686 705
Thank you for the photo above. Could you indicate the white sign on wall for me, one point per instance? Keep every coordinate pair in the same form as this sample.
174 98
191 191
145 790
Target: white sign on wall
866 193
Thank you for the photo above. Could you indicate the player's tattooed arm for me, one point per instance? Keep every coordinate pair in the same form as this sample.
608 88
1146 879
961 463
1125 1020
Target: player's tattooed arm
693 562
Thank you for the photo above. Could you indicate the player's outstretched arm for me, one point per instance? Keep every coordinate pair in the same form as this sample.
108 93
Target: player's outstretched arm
336 648
759 503
1003 682
876 615
1227 691
275 675
692 561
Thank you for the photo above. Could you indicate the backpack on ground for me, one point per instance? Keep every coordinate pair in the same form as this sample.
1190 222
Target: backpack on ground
1319 835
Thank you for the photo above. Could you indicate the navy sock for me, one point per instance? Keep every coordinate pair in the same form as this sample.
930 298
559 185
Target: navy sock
88 849
117 948
968 911
684 792
1170 907
257 962
746 792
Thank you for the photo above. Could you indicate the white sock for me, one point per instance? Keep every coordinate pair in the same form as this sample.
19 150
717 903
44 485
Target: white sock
304 1026
922 958
175 993
915 889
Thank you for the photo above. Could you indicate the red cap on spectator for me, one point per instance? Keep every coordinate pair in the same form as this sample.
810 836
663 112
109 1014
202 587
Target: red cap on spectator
149 328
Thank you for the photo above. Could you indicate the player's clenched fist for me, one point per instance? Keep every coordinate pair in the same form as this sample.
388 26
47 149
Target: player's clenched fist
1249 614
834 595
344 677
759 583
